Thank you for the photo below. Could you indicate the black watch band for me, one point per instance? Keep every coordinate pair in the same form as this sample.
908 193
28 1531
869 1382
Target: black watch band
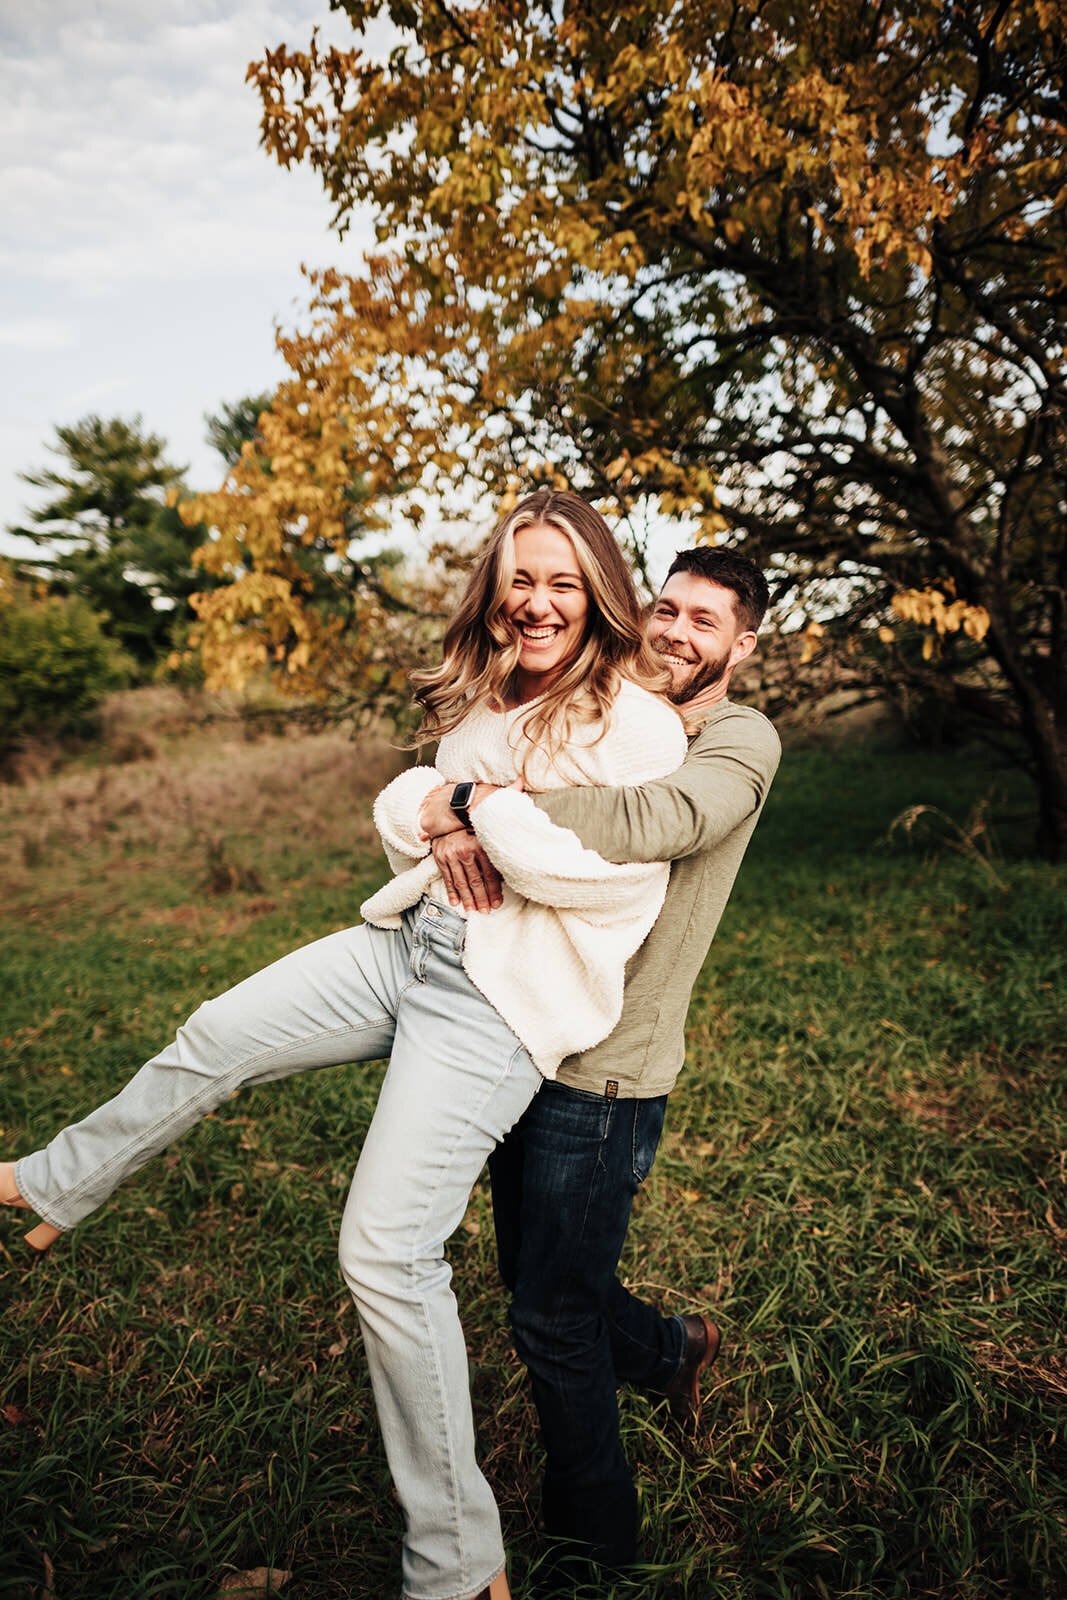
460 801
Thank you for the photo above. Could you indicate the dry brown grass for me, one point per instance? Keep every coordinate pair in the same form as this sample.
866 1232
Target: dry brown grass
177 785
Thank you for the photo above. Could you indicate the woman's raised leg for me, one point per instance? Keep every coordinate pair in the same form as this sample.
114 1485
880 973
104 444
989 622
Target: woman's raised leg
330 1002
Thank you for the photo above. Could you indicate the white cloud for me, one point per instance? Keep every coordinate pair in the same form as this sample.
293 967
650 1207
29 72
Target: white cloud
36 333
94 394
148 244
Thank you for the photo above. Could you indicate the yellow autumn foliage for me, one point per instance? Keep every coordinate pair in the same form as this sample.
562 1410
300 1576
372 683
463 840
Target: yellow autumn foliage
792 275
932 609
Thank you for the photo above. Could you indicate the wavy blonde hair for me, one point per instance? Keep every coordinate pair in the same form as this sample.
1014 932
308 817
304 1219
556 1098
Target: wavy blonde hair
481 645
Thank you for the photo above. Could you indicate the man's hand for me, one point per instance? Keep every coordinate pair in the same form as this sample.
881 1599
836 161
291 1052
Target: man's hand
470 877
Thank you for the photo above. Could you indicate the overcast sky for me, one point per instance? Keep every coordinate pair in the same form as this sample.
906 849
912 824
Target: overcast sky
147 243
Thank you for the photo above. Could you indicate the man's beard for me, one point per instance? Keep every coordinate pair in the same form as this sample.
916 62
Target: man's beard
710 673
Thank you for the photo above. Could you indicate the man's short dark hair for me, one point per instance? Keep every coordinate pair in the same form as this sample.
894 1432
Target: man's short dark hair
733 571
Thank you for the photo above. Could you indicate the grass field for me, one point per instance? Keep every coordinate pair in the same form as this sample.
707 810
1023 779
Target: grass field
862 1176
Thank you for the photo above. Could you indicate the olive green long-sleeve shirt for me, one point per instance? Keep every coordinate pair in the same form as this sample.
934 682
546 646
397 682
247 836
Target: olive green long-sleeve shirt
700 818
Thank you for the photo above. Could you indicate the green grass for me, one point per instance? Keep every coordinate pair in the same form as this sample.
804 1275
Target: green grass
862 1176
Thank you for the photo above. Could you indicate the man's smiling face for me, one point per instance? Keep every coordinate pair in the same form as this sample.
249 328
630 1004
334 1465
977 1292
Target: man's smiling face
694 630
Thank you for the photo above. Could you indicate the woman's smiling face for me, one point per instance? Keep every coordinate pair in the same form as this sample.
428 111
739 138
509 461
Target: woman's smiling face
548 604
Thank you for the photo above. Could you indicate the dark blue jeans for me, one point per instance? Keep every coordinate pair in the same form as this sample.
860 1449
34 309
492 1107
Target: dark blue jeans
563 1184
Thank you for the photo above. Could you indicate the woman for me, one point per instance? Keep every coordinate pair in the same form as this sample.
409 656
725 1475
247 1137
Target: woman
545 681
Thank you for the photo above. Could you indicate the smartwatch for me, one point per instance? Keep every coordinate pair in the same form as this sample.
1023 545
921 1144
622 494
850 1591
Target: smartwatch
460 801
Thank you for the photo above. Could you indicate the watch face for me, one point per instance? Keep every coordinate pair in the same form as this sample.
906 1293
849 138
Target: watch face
461 795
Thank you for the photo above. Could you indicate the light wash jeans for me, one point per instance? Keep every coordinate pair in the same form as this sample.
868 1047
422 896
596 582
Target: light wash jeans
458 1079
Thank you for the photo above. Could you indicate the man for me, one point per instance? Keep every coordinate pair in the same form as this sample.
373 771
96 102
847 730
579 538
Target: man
564 1179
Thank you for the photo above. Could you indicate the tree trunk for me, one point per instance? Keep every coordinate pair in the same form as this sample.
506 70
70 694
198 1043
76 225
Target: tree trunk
1052 801
1041 722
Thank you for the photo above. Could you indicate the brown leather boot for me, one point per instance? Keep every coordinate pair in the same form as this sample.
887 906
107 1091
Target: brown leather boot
702 1343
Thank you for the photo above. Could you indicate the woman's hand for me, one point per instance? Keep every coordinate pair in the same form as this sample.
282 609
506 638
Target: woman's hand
436 817
469 876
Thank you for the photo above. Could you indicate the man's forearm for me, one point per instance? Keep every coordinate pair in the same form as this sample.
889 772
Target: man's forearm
723 780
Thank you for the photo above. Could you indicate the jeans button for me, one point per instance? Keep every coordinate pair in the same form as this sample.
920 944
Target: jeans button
433 911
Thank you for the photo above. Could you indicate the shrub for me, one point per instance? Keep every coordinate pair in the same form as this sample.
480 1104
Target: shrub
56 663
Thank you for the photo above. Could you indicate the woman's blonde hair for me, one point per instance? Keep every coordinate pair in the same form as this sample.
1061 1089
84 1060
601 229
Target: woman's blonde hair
481 645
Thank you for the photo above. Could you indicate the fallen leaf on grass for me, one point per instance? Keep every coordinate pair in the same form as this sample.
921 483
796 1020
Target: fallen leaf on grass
259 1581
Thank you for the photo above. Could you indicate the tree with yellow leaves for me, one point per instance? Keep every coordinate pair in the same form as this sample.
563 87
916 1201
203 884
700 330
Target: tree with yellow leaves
794 273
295 593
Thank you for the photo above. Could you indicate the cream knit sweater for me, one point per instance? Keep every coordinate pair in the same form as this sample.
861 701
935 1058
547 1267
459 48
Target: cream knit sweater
552 958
